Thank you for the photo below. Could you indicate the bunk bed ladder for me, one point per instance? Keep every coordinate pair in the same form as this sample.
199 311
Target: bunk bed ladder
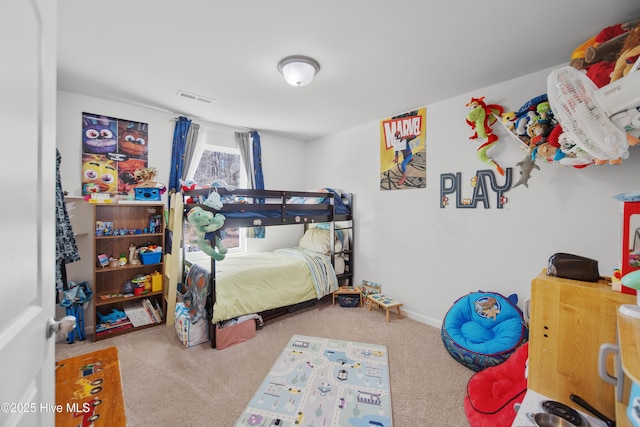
211 300
173 259
347 254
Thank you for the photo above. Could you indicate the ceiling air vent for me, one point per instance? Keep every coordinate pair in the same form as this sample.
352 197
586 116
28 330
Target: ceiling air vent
194 97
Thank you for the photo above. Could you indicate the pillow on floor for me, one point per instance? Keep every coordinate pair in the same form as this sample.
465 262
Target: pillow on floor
492 392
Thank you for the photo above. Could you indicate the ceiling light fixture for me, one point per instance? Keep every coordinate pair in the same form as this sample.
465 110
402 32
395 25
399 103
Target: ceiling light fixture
298 70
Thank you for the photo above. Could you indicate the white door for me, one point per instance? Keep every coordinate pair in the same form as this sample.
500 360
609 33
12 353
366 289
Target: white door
27 211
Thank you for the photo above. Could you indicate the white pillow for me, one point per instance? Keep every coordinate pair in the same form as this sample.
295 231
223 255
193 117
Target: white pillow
316 240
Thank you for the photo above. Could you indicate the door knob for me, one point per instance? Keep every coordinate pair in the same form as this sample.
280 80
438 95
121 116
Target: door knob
64 325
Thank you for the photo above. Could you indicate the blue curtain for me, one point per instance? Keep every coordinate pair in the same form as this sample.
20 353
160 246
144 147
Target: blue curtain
257 174
257 160
177 154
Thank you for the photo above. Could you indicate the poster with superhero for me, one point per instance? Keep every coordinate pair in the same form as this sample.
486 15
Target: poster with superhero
403 153
114 154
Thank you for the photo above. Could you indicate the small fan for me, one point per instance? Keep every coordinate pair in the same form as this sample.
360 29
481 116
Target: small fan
585 112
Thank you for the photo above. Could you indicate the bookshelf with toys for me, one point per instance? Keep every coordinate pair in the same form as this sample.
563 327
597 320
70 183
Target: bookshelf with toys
128 272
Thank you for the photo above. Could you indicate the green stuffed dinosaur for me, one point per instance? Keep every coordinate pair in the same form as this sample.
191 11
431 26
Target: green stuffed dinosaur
207 222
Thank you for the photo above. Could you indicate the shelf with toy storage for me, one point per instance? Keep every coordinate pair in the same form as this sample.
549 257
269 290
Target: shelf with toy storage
129 269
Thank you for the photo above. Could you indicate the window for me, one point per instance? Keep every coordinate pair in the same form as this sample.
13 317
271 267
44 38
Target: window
223 165
218 164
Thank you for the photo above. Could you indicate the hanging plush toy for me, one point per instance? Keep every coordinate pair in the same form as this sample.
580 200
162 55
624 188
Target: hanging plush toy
481 117
207 222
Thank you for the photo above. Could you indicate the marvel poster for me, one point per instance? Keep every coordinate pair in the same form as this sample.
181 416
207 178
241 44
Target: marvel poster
403 158
114 152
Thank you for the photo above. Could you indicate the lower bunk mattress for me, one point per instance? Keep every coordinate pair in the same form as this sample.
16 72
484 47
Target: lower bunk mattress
256 282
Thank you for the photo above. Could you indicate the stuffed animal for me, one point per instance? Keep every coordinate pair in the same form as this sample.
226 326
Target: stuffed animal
527 165
143 175
628 55
481 117
213 201
188 185
126 174
207 222
603 47
559 148
598 55
112 317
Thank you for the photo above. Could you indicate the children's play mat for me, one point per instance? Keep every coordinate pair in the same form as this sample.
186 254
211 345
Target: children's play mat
324 382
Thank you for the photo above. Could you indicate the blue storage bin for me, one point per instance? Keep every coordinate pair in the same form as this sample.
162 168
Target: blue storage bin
349 300
147 193
150 257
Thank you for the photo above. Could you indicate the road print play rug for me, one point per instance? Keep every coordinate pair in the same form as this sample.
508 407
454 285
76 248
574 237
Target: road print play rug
323 382
89 390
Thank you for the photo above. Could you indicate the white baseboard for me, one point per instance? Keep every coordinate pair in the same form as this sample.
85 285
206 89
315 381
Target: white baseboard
436 323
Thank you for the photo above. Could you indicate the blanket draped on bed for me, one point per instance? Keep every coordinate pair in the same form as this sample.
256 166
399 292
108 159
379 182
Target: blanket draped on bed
324 278
195 299
256 282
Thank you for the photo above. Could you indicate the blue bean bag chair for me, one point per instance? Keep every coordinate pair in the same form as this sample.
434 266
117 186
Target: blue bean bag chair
483 329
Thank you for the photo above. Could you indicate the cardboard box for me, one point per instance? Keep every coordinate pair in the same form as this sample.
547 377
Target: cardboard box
235 334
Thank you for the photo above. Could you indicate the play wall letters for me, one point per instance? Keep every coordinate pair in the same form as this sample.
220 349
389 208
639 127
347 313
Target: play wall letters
451 183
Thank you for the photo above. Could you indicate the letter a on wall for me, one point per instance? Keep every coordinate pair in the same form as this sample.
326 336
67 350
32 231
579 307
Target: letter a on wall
403 153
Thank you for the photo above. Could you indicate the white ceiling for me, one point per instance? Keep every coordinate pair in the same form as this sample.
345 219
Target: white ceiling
378 58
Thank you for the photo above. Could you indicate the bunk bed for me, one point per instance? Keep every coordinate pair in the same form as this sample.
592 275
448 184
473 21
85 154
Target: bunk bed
303 274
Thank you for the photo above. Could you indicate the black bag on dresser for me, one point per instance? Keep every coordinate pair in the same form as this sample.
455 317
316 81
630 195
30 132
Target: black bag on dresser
573 267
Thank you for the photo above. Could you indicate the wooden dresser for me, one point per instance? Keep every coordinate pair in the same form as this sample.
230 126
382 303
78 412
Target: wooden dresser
569 321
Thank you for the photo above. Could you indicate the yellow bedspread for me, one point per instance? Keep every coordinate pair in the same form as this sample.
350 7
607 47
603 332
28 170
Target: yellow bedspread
251 283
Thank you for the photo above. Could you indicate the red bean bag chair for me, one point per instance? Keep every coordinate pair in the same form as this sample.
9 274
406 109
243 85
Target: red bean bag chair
492 392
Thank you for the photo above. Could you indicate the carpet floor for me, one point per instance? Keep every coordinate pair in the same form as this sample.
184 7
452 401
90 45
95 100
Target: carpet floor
165 383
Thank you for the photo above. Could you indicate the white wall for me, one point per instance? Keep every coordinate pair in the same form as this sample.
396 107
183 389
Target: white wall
428 256
281 171
422 254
